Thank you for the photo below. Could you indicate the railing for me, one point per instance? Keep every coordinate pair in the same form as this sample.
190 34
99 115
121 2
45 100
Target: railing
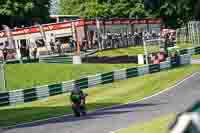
57 59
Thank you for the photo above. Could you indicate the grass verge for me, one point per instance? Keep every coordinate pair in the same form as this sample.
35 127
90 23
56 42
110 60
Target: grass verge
186 45
28 75
101 96
137 50
126 51
196 56
158 125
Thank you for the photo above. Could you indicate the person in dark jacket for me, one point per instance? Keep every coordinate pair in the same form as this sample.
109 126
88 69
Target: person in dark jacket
52 46
35 53
5 53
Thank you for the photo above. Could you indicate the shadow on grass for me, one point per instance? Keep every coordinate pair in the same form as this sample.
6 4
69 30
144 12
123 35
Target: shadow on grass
23 115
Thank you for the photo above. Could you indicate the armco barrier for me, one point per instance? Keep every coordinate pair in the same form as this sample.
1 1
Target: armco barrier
154 68
197 50
24 61
64 59
37 93
131 72
57 59
191 51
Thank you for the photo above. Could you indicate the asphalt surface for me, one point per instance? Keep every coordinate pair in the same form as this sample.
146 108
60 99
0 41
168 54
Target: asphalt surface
195 61
176 99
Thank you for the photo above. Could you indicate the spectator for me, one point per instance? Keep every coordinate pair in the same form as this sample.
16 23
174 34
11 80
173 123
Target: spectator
58 44
52 45
5 53
35 53
28 52
72 44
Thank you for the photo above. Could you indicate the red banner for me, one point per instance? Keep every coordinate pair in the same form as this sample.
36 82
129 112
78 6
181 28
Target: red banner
78 23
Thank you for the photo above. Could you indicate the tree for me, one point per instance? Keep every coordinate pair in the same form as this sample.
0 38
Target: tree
105 8
23 12
152 4
177 13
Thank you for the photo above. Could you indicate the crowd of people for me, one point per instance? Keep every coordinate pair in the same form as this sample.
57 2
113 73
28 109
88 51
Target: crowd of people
118 39
105 40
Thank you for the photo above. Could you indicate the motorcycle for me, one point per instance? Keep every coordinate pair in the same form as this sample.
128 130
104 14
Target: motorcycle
79 108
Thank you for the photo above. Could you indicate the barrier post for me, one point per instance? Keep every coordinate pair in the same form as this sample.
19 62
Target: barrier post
2 78
145 51
78 49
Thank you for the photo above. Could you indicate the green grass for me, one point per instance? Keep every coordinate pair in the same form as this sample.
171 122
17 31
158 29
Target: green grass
138 50
101 96
29 75
126 51
196 56
158 125
186 45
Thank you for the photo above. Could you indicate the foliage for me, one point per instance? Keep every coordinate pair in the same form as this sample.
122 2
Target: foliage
174 13
103 8
23 12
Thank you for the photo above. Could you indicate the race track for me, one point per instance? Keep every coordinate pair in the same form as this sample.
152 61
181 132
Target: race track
176 99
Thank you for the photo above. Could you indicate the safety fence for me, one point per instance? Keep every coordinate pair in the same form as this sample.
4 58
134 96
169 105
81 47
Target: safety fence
191 51
23 61
189 33
57 59
194 32
61 59
40 92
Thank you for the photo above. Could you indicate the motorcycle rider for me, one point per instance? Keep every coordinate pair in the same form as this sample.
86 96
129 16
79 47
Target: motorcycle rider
77 98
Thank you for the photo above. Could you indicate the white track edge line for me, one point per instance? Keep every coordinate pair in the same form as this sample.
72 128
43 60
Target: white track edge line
143 99
159 94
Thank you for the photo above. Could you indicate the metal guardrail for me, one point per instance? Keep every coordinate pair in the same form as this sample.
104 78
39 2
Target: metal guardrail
57 59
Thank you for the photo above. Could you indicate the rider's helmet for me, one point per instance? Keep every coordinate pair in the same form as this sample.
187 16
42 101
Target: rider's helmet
76 94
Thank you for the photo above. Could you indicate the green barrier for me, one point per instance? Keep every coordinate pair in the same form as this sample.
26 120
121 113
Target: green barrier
57 59
183 51
12 62
154 68
19 61
30 61
4 99
197 50
82 83
175 61
30 95
107 78
55 89
132 72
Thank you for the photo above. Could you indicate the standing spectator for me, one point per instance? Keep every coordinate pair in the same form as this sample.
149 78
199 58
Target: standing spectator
140 37
136 38
35 53
58 44
72 44
166 43
5 53
84 44
52 46
28 53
